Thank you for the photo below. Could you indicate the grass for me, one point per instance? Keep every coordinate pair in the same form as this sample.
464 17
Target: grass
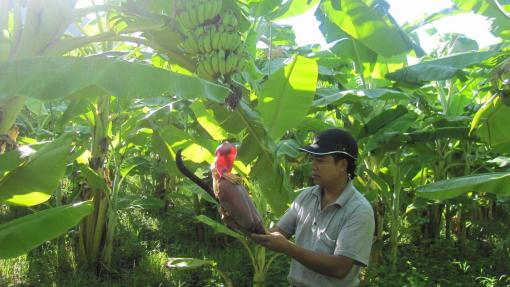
146 239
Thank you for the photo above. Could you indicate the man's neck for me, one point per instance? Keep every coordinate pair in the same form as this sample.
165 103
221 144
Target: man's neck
331 192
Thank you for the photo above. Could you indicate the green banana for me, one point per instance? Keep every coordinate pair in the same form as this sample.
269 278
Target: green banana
185 22
241 63
209 10
201 13
190 45
194 17
207 42
232 41
215 63
231 62
223 41
207 66
222 63
203 73
215 42
217 7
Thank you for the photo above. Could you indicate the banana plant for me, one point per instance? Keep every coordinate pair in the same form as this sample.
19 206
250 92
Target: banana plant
20 235
80 84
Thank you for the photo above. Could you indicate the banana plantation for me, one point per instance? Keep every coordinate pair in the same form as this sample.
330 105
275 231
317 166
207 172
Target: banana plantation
98 97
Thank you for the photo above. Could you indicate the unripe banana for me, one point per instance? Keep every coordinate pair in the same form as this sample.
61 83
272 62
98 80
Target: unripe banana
207 66
206 38
215 42
217 7
185 22
231 62
190 46
201 13
215 63
222 64
241 64
232 41
209 10
223 41
236 42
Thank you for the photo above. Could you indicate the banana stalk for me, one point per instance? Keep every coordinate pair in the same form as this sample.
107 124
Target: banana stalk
92 228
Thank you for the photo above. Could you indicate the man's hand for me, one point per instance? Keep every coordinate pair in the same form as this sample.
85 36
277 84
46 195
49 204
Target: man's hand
274 241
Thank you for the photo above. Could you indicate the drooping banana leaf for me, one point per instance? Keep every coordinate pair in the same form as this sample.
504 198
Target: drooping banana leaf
20 235
218 227
287 96
439 69
33 182
48 78
293 8
333 97
364 24
491 125
491 9
496 183
259 146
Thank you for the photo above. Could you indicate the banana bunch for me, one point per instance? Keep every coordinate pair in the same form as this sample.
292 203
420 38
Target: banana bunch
203 41
212 37
193 13
220 63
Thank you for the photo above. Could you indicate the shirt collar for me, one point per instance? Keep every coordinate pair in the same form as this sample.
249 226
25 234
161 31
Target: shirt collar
344 197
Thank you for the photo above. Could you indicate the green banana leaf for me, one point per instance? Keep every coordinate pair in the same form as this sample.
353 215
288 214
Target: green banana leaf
259 146
262 8
491 125
287 96
20 235
333 97
345 47
94 180
218 227
34 182
48 78
9 161
496 183
490 9
381 120
364 24
439 69
208 121
293 8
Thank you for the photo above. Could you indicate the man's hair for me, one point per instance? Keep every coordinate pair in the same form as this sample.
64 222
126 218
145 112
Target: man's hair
351 163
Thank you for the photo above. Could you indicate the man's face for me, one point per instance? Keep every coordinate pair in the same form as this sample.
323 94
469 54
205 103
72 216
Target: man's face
325 171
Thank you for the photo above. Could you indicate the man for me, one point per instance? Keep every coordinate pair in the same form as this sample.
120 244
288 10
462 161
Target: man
332 222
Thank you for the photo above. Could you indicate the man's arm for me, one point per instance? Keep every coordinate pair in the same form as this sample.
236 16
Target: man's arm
331 265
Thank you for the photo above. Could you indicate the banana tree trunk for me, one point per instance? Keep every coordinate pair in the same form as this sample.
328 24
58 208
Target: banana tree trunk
376 255
93 227
395 211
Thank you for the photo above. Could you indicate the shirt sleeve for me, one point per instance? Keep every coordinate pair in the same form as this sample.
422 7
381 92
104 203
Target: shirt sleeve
355 238
288 221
